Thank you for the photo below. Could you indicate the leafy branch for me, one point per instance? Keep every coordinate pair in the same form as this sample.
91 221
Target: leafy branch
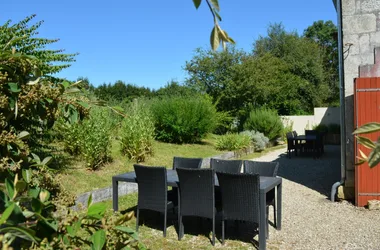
374 156
217 34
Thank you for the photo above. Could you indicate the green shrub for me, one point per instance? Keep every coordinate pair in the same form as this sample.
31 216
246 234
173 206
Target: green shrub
266 121
96 138
91 138
321 127
233 142
137 133
184 119
333 128
259 140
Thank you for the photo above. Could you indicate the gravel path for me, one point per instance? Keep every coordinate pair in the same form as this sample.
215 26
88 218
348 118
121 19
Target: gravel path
310 220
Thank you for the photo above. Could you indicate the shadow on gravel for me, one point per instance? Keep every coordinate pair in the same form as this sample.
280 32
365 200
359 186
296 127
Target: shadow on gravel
318 174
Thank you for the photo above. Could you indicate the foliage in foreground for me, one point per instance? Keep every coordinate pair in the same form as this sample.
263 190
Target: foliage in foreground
266 121
29 192
373 158
137 133
183 119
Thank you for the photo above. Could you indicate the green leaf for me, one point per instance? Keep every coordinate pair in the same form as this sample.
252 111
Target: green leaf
21 232
23 135
27 214
89 201
368 128
13 87
36 158
366 142
8 211
197 3
37 205
214 38
374 156
34 192
215 3
26 175
98 240
47 160
65 84
33 82
20 186
10 188
127 230
49 100
83 104
96 210
72 90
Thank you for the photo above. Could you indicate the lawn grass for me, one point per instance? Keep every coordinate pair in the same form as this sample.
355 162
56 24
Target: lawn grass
197 232
77 175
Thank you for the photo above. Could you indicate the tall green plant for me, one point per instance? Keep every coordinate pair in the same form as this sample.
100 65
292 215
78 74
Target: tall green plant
266 121
184 119
137 132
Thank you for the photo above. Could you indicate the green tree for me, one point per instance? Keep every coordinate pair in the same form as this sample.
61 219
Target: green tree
21 36
173 88
302 56
212 72
120 91
324 33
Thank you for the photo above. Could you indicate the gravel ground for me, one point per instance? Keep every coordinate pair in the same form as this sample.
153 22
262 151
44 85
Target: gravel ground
309 219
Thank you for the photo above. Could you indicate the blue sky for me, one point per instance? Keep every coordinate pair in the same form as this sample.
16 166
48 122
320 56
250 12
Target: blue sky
147 43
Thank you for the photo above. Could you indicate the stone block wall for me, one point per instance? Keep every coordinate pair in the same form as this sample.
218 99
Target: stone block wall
361 37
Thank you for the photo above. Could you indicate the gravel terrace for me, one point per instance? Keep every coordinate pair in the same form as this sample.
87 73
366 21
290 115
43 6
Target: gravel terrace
310 220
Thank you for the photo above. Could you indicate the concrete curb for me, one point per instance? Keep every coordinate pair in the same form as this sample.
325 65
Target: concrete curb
125 188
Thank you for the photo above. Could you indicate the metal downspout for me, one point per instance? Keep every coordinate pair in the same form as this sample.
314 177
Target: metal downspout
342 103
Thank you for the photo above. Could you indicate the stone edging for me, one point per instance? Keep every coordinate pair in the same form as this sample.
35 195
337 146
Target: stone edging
103 194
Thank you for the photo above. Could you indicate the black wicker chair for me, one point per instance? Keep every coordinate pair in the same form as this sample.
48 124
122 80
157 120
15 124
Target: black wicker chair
240 197
264 169
226 166
291 144
152 191
183 162
319 147
196 196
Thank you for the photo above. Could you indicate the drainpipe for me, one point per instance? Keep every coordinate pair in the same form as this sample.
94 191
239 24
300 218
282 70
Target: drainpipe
338 6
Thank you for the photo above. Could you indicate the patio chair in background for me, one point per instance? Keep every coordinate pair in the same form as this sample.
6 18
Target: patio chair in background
319 142
240 198
226 166
183 162
196 196
264 169
291 143
152 191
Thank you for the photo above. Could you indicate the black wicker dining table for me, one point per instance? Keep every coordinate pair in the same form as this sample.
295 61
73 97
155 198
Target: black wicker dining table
266 184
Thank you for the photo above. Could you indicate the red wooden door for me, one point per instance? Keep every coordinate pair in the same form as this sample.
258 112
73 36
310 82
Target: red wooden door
366 109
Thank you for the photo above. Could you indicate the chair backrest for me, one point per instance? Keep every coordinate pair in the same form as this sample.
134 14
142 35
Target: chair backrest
290 140
196 188
227 166
311 132
295 133
182 162
261 168
240 196
152 187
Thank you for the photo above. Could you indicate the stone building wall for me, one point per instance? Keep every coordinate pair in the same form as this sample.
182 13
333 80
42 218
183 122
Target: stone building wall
361 36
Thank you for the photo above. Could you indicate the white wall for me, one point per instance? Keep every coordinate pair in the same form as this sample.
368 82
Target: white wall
330 115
